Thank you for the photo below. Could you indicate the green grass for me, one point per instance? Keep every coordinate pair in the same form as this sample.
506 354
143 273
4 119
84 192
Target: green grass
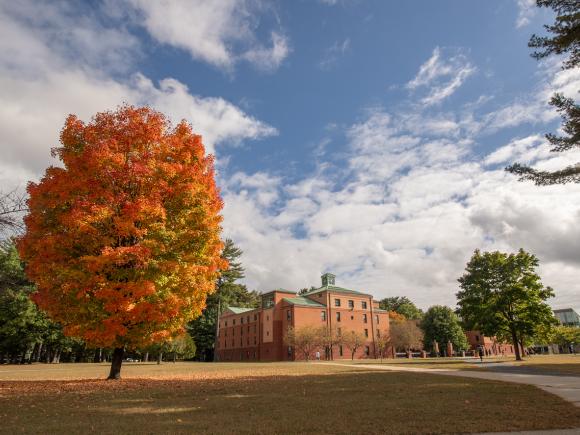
266 398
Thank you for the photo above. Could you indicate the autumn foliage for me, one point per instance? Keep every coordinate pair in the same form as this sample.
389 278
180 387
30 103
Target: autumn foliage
123 240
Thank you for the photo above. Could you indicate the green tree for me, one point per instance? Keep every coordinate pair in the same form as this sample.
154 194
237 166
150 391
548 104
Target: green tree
442 325
401 305
502 295
564 39
566 336
228 293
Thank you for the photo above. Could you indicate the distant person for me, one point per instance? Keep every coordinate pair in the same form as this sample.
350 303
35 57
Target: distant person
481 354
317 356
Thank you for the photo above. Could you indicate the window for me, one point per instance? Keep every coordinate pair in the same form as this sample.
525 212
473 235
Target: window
248 328
233 343
267 317
366 332
350 304
319 295
323 316
364 318
233 321
248 341
377 318
248 319
337 302
225 344
367 350
340 350
242 320
226 323
338 316
255 317
267 333
254 329
351 317
289 315
255 342
364 305
241 342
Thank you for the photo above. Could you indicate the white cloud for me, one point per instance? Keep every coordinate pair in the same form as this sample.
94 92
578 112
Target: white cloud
333 54
219 35
526 11
442 74
42 81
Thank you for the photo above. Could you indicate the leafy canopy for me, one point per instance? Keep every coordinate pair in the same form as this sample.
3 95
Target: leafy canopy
441 324
401 305
122 241
502 295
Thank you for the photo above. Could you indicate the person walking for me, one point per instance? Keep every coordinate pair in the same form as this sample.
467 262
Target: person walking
481 353
317 355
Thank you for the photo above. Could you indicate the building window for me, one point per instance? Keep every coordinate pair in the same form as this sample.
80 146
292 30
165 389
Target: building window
248 328
364 305
319 295
226 323
233 343
337 302
323 316
289 315
254 329
225 344
338 316
248 319
267 317
366 332
241 342
267 333
255 317
233 321
350 304
248 341
242 320
364 318
255 341
377 318
367 350
340 350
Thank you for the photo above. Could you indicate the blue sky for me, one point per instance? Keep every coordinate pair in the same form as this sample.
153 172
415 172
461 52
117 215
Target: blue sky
366 138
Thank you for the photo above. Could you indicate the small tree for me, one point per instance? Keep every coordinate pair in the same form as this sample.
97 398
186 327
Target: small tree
406 335
502 295
442 325
305 338
383 342
353 341
566 336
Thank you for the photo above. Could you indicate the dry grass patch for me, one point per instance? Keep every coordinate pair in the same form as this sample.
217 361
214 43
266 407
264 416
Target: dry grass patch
279 398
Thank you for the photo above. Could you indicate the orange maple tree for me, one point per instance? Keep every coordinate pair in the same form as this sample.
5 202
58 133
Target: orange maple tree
123 241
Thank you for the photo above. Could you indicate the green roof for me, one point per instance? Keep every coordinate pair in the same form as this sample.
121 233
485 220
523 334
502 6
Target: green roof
305 302
335 289
240 310
280 290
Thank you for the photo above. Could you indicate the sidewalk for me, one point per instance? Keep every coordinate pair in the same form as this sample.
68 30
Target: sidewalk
567 387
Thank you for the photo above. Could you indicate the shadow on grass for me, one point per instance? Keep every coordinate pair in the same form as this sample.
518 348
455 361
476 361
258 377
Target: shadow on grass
356 401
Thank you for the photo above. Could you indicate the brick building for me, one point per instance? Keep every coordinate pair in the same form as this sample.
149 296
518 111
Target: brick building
257 334
491 345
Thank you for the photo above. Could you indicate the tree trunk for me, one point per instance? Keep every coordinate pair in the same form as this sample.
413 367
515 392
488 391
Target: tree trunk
159 357
97 356
146 357
516 346
116 363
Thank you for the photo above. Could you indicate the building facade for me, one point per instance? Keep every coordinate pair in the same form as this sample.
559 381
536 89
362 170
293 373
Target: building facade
490 345
246 334
567 317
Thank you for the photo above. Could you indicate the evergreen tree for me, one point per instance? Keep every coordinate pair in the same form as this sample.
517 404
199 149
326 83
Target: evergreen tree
228 293
502 295
564 40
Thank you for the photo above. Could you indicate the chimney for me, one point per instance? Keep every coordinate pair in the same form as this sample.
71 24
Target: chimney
327 279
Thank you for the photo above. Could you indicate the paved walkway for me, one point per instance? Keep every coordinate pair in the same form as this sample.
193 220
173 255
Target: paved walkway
567 387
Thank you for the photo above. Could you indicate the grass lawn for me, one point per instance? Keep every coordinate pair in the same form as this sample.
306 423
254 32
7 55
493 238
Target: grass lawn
562 364
266 398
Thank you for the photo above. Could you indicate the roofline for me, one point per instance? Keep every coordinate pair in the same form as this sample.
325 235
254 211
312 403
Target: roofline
305 305
279 290
342 290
